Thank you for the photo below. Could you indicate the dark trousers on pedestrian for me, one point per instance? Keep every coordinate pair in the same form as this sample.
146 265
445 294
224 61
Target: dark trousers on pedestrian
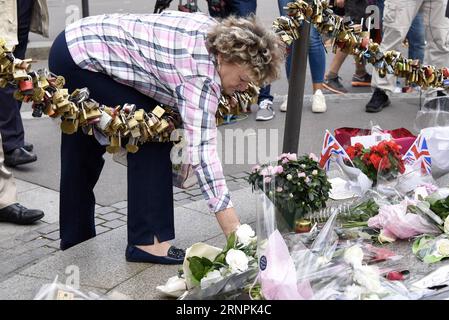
11 126
244 8
150 188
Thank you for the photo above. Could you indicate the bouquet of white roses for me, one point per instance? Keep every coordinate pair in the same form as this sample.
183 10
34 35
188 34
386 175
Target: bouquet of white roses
205 265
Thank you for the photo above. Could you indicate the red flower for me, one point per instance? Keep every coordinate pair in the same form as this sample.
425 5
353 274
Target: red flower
375 160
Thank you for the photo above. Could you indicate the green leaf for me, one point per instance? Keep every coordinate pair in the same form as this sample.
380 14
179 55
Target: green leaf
197 268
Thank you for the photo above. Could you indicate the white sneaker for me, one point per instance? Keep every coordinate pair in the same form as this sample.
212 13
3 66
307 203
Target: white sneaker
318 102
265 111
283 106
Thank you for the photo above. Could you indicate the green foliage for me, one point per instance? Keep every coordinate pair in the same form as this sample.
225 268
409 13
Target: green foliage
302 186
440 207
199 266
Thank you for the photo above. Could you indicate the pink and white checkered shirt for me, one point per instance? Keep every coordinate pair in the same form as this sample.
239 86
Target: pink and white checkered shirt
164 56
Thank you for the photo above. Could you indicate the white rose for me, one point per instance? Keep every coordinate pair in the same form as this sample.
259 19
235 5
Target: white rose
237 260
368 277
245 234
210 278
353 256
289 177
353 292
443 247
174 287
446 225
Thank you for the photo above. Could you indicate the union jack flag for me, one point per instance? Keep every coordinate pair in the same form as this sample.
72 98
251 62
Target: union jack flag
419 151
331 147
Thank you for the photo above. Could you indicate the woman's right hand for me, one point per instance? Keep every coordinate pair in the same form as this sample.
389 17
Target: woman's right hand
228 220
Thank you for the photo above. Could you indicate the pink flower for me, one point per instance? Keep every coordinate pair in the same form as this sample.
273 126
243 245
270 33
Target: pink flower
301 175
267 180
307 180
268 171
288 156
282 156
279 189
313 157
278 170
285 160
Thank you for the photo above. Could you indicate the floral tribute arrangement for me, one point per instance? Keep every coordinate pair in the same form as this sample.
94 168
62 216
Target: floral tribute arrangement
384 157
297 186
206 265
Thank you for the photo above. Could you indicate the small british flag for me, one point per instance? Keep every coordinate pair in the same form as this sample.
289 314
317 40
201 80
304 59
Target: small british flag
419 151
331 147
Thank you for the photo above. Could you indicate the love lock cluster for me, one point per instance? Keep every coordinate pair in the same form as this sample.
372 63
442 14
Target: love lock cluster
110 125
350 39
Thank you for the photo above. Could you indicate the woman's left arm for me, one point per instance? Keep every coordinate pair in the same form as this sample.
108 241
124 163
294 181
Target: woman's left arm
197 102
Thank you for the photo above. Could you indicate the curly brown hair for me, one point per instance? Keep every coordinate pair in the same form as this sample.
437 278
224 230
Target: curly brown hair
246 41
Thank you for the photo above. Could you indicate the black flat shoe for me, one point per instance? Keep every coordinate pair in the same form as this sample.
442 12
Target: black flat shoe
174 256
18 214
19 156
28 146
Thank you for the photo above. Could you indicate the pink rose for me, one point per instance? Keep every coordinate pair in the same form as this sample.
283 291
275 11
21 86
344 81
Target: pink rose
313 157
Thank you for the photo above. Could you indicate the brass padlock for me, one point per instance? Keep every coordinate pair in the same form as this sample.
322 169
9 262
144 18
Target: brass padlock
69 126
158 111
114 145
131 146
139 114
162 126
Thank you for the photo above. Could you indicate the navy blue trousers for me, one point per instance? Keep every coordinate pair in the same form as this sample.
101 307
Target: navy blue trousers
150 188
11 126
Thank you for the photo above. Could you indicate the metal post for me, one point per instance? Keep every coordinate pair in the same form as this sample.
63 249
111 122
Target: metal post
85 8
296 90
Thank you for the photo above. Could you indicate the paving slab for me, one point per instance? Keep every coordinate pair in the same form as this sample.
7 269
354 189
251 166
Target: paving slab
22 287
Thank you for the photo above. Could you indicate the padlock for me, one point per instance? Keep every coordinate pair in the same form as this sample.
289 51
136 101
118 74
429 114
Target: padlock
135 132
105 120
26 86
131 146
162 126
158 111
129 108
114 145
69 126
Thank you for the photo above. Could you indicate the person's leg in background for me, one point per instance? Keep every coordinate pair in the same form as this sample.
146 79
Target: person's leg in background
397 19
10 210
11 126
317 63
416 44
243 8
437 33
